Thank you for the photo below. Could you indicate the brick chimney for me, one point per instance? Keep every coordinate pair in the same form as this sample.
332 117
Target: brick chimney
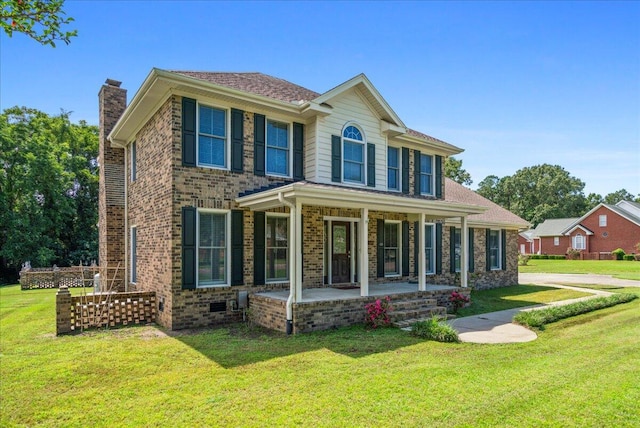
111 224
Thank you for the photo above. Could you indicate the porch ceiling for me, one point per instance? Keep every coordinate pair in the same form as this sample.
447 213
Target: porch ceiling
343 197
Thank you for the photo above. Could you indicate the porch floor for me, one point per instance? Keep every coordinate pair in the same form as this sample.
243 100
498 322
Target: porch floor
330 293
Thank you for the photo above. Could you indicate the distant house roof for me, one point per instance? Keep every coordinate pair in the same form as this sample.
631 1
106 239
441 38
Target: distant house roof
554 226
495 215
625 209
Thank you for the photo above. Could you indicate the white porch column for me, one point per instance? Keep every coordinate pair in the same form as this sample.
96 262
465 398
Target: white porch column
422 269
363 249
298 247
293 296
464 250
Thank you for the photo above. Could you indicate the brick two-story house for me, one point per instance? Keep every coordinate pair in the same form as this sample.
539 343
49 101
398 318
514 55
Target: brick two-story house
215 186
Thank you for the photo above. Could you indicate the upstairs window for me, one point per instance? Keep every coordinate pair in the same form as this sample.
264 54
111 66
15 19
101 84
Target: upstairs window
393 168
602 220
426 174
353 155
212 137
278 148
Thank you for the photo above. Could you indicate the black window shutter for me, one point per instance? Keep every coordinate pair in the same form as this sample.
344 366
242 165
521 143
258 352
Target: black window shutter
237 247
416 172
405 248
259 141
416 246
188 132
439 248
298 151
189 219
488 250
237 140
259 252
452 249
472 264
438 176
336 159
380 249
503 252
371 165
405 170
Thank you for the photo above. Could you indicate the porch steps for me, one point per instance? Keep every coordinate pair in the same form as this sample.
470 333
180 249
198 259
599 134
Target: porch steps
407 312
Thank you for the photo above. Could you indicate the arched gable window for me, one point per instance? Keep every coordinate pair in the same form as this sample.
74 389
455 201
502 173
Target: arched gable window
353 148
578 242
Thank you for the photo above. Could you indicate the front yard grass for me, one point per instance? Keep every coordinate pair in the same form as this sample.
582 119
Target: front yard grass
584 371
618 268
515 296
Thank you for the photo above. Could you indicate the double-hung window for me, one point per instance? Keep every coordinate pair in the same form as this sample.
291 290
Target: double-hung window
556 241
278 148
353 150
277 246
426 174
212 248
429 248
393 168
602 220
494 249
457 241
391 248
134 254
212 137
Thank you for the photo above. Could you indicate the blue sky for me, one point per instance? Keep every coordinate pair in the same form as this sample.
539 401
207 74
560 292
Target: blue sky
515 84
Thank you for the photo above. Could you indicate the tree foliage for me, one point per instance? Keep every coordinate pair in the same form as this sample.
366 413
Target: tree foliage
48 189
620 195
453 169
42 20
537 193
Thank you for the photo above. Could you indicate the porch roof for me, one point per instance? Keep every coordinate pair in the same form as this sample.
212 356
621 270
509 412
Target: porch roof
308 193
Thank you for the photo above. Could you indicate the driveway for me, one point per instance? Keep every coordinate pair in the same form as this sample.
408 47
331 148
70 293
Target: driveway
574 278
496 327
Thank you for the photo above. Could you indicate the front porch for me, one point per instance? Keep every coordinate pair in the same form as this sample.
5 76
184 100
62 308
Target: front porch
330 307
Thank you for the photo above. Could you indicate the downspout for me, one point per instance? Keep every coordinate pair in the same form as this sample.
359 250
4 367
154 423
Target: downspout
126 223
292 262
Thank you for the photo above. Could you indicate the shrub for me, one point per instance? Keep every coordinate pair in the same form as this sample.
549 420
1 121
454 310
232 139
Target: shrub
629 257
539 317
378 313
573 254
523 259
433 329
458 301
618 253
544 256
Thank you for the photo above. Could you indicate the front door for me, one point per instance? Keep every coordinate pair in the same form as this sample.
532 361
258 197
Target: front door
340 252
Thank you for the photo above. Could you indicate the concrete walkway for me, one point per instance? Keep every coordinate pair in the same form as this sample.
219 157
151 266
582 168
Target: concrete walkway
496 327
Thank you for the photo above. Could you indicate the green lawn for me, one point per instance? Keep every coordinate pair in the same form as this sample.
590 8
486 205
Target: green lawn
618 268
516 296
584 371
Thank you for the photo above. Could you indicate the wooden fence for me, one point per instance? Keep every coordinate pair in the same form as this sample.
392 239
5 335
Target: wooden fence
103 310
72 277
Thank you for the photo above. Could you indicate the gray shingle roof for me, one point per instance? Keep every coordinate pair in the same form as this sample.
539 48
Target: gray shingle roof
554 226
256 83
455 192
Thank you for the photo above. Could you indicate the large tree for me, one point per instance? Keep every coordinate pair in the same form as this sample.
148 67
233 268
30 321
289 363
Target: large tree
454 170
42 20
48 189
537 193
620 195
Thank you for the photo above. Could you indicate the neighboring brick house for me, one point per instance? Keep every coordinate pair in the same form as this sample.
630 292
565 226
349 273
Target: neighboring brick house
606 228
218 185
548 237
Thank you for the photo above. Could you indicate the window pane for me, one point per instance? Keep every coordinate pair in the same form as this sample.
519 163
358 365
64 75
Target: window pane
277 267
425 164
352 133
204 266
392 178
212 121
277 134
211 151
277 161
393 157
353 152
339 239
353 172
391 261
391 235
425 184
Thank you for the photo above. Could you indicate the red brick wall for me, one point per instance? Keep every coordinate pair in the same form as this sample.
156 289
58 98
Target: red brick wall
548 246
618 233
